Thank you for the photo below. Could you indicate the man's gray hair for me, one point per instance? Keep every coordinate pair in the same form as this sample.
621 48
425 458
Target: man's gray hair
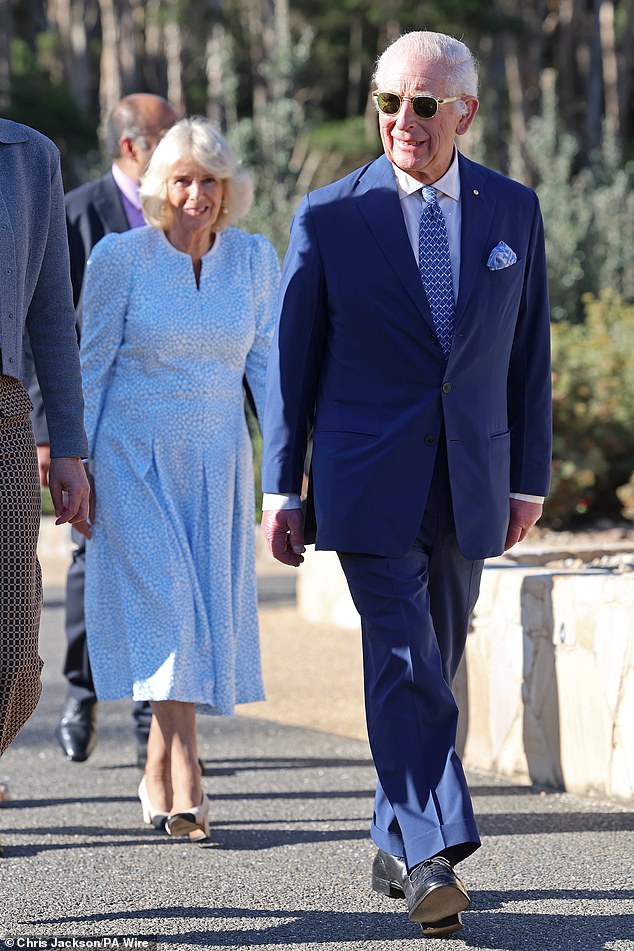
126 121
453 54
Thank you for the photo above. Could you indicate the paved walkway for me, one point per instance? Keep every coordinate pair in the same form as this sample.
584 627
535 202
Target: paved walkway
289 863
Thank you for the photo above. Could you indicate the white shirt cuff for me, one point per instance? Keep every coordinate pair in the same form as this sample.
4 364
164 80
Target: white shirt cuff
271 502
275 503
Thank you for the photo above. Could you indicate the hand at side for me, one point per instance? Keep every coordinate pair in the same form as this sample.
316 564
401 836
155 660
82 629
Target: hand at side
284 534
523 516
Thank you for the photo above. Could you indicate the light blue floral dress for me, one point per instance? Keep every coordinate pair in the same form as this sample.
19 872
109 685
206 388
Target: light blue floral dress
171 604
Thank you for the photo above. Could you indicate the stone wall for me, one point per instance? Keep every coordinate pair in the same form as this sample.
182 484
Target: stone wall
546 688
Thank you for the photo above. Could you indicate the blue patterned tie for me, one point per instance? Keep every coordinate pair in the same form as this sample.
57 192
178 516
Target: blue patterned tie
434 264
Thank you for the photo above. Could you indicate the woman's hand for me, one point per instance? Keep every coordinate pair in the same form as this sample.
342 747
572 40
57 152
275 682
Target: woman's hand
84 527
69 489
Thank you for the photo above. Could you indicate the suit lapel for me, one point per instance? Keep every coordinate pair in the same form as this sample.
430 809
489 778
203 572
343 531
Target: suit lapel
477 208
110 207
380 206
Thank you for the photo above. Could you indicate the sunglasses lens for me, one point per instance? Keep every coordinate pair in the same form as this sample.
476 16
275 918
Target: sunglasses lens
425 106
389 103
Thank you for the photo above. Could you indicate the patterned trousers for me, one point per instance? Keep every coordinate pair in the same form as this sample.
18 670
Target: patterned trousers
20 577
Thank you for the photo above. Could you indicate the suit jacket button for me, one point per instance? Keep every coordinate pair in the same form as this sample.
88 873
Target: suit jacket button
430 439
446 387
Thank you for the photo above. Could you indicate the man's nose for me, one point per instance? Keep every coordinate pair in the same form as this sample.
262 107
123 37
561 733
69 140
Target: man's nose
406 115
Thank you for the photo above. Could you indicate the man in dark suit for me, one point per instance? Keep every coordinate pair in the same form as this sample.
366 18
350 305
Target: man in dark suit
413 342
109 204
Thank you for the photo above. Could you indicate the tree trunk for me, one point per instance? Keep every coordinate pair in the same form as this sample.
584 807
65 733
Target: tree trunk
128 47
355 67
259 22
594 80
174 55
626 66
110 86
608 56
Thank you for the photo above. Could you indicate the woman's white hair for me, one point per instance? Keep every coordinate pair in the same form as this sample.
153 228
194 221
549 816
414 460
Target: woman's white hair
199 140
456 58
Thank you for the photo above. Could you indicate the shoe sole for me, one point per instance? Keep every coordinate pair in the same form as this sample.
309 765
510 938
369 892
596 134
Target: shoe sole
440 902
438 929
179 826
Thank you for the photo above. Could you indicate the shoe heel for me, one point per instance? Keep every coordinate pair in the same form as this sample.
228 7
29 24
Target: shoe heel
151 816
194 823
385 887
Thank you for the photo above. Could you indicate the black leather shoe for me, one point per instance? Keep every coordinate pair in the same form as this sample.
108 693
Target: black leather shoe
434 892
388 874
389 877
77 730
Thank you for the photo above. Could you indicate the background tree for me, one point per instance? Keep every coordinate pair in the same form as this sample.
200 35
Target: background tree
289 81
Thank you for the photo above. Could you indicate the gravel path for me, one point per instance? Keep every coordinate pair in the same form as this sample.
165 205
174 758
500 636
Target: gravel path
289 863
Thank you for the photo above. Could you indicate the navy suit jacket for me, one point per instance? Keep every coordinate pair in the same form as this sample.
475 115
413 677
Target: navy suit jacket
356 363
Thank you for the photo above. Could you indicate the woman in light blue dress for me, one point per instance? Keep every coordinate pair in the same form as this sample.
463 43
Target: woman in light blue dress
175 315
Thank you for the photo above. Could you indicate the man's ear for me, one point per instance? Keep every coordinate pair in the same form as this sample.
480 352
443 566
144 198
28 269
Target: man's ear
127 147
468 116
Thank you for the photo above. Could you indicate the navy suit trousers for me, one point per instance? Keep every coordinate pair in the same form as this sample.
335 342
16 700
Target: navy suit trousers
414 620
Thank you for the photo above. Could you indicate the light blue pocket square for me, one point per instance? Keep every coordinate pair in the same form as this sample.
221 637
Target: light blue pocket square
501 256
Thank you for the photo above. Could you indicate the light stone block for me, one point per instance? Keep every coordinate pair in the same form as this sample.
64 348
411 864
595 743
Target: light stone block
322 592
546 687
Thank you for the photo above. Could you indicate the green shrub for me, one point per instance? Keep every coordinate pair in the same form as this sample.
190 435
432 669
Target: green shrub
593 413
587 202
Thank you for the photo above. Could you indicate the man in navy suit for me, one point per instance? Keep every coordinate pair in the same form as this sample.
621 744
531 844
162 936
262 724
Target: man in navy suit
413 345
109 204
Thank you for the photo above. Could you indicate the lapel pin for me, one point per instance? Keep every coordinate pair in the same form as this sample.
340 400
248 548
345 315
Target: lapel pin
475 191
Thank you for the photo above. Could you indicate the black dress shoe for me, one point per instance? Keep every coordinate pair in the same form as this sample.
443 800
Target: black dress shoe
434 892
388 874
389 877
77 730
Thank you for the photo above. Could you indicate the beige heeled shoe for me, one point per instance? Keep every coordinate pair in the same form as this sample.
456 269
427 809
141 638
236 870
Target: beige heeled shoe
194 822
151 816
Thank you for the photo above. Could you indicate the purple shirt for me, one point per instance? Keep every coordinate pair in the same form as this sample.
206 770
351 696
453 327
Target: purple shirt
129 196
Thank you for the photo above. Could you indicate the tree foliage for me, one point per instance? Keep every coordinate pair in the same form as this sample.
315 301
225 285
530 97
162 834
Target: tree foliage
288 80
593 401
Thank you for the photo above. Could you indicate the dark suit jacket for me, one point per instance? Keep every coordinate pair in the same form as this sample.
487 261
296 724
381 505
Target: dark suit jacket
356 360
92 211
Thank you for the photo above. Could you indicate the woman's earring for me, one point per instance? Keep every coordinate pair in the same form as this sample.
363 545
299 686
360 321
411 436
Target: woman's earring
223 209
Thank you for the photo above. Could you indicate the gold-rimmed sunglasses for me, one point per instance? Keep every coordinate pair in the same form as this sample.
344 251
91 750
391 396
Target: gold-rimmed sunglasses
426 107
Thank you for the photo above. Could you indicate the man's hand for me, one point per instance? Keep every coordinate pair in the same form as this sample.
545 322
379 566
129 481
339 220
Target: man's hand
44 463
523 516
69 489
284 534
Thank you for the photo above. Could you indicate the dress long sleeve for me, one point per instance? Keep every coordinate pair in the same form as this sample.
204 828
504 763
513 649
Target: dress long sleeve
105 305
265 275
